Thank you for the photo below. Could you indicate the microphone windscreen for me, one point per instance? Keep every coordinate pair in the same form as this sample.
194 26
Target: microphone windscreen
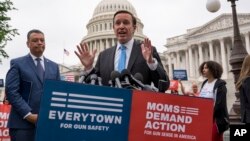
124 73
83 73
93 76
138 76
114 75
163 85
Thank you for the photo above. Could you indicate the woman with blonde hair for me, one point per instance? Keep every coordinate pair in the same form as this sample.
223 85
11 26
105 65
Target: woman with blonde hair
243 85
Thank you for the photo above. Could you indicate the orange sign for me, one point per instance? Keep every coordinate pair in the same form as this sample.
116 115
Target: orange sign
166 117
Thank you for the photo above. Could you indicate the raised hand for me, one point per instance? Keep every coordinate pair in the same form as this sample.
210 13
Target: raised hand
86 58
147 50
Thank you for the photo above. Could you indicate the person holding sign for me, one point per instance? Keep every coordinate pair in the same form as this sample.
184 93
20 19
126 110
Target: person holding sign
194 91
24 87
243 85
215 88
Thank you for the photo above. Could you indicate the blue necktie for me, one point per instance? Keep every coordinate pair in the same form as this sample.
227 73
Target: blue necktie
122 58
39 68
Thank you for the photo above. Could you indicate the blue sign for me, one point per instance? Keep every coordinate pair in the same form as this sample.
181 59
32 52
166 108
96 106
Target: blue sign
74 111
180 75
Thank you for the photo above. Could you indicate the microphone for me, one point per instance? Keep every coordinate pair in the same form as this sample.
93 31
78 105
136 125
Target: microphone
110 83
99 79
163 85
115 78
125 76
82 77
93 78
138 76
136 79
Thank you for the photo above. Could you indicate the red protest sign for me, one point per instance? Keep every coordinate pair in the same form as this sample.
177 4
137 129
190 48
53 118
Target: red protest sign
174 84
4 116
165 117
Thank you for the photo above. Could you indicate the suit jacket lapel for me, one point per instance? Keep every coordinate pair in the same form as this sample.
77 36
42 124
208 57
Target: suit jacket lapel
33 66
136 50
46 63
111 59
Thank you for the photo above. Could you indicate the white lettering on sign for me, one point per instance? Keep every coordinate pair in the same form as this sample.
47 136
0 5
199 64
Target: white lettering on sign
165 126
75 116
168 117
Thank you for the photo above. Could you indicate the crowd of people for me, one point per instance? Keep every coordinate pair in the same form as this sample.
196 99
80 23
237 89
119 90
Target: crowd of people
24 80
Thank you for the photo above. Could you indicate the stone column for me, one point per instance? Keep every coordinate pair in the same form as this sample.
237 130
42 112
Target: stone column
247 43
187 62
200 53
101 45
177 60
229 47
90 44
196 65
107 44
170 67
113 42
206 52
95 47
211 51
190 56
223 59
217 53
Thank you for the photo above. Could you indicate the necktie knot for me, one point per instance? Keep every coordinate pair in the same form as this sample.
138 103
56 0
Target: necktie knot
122 47
38 59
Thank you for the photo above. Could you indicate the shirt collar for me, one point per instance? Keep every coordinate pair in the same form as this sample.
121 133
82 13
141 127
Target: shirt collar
34 57
128 45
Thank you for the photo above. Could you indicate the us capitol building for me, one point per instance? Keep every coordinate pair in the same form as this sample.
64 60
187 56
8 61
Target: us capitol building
100 34
211 41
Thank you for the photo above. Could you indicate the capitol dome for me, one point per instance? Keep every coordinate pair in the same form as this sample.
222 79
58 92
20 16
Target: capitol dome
100 33
111 6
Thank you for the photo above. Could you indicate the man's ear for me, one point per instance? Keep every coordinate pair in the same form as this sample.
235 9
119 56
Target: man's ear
135 27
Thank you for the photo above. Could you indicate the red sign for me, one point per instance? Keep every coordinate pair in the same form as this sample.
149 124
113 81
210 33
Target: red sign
4 116
168 117
174 84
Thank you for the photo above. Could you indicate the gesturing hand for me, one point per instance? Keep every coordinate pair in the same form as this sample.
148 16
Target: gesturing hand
146 48
86 58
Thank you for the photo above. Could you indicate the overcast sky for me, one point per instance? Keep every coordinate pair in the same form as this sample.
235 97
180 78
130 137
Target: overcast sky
64 23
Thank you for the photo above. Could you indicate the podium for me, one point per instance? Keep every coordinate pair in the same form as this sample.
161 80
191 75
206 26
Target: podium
72 111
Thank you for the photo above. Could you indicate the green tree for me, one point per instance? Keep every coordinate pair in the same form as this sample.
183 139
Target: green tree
6 31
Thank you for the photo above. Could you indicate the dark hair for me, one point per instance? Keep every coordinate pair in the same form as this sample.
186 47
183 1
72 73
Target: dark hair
214 67
127 12
33 31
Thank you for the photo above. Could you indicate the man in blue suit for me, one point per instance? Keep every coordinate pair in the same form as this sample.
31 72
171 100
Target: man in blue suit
139 57
24 87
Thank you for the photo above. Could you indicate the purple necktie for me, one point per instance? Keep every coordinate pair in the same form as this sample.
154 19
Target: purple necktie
39 68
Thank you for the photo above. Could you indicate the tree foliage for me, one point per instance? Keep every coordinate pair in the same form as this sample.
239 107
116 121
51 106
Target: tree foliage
6 31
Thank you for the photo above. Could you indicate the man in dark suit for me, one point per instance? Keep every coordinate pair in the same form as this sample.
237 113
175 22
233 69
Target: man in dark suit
24 87
139 57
